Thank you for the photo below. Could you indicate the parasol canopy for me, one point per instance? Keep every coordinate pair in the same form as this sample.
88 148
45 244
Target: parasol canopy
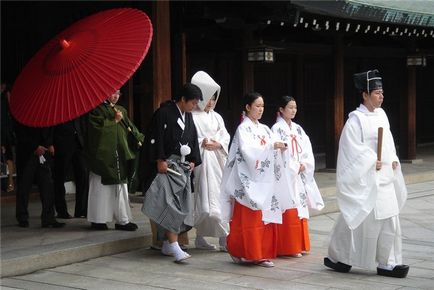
79 68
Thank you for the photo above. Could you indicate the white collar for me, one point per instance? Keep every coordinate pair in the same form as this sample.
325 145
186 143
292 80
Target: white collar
181 113
362 108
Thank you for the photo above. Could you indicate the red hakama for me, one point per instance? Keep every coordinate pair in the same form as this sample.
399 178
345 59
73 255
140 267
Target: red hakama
292 234
249 237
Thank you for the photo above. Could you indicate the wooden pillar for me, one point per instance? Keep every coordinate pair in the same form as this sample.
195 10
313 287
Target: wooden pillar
131 99
407 144
183 58
299 85
335 120
161 53
248 80
248 67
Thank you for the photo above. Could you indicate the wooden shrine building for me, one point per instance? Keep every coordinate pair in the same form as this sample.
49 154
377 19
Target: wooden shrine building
307 49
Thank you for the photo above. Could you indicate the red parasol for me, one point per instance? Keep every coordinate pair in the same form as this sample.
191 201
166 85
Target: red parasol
79 68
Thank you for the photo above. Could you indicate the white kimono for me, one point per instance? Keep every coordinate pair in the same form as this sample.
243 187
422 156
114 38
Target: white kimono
368 230
208 175
253 174
300 152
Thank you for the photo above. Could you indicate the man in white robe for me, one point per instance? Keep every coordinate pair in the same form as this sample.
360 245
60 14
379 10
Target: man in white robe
370 192
214 143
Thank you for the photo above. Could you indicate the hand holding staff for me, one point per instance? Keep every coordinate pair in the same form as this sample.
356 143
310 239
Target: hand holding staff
379 143
379 148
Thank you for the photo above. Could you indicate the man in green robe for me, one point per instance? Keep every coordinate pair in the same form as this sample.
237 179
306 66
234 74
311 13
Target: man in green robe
112 141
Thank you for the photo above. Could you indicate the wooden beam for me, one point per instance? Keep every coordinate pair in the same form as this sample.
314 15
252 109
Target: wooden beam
161 52
335 121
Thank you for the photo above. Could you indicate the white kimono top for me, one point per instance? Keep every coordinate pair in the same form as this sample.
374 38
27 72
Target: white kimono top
300 152
253 174
208 175
360 187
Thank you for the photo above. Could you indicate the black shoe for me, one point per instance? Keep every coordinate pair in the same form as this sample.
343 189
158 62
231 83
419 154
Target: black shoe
338 267
99 226
399 271
65 216
23 224
127 227
53 225
80 215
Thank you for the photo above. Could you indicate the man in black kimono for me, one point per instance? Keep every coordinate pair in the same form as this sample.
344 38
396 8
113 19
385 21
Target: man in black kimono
33 159
69 151
171 127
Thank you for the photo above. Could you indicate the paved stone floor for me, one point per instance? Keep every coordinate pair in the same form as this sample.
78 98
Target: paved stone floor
148 269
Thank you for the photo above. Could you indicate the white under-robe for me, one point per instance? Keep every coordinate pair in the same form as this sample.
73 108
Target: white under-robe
368 231
300 152
208 175
107 202
254 174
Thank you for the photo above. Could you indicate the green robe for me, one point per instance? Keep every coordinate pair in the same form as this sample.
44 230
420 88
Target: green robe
110 145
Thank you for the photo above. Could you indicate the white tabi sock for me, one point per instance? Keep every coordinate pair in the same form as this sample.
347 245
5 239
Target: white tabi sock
386 267
178 253
201 243
223 244
166 249
222 241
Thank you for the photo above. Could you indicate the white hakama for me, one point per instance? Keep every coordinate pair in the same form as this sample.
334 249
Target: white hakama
375 242
107 202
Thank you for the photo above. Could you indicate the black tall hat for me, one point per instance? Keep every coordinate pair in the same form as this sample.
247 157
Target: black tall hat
368 81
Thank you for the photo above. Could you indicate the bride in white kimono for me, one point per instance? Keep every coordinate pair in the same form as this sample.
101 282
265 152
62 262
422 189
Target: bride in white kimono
214 142
370 192
293 234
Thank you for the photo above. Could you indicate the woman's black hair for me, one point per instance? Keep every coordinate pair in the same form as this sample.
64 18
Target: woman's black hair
189 91
250 98
283 101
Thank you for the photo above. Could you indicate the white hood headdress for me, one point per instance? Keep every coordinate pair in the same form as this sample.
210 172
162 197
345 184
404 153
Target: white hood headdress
208 87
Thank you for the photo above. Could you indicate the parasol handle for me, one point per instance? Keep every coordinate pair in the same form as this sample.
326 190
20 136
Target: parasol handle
64 43
125 124
379 143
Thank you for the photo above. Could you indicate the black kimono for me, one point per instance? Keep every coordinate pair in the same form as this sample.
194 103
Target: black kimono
164 137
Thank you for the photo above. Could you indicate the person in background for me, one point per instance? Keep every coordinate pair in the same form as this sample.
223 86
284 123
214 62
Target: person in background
371 191
112 140
34 152
69 152
7 138
293 233
213 140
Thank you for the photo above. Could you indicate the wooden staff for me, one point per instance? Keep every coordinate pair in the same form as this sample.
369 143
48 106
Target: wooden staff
379 143
125 123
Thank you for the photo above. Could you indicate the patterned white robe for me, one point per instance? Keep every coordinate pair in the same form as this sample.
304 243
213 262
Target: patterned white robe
300 152
253 174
